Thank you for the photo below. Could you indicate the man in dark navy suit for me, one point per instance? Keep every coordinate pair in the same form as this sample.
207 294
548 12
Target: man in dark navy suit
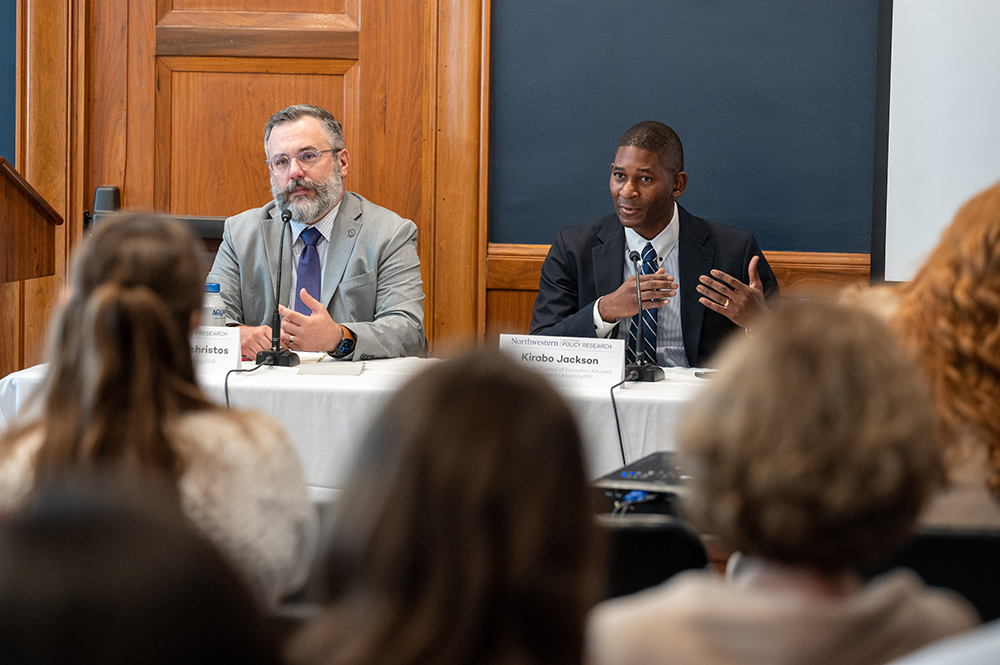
700 280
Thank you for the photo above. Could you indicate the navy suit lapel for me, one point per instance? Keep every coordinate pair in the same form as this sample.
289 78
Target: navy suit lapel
694 259
609 257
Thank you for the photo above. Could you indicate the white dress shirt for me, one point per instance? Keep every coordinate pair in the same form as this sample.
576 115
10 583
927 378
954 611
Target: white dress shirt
669 337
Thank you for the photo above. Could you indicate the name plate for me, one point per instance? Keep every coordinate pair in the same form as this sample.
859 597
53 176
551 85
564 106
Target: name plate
581 361
215 350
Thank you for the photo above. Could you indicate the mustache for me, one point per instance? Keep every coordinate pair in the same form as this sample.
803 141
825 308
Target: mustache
299 183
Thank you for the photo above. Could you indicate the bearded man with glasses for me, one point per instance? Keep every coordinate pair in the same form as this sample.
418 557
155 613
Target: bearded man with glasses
350 284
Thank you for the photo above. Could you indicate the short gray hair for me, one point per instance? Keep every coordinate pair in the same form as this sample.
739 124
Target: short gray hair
332 129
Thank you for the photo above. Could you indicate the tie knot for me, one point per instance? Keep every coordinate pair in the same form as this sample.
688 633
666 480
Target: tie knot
310 236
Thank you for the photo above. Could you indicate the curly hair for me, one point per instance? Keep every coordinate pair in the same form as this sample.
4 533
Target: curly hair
816 445
949 316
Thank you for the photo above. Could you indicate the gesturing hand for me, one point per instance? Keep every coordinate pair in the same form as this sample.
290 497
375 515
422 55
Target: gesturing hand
740 303
657 289
313 332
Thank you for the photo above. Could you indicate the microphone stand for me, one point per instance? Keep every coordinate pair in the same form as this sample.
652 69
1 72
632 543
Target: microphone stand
276 355
640 370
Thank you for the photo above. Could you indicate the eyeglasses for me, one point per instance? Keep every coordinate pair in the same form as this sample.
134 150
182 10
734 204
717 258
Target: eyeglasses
307 159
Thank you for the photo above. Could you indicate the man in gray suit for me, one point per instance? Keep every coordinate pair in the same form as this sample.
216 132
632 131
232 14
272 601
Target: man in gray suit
350 276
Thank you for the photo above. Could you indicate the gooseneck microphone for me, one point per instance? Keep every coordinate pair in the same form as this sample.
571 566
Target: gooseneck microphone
640 370
276 355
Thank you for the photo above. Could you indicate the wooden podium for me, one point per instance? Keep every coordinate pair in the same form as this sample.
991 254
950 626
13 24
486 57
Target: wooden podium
27 227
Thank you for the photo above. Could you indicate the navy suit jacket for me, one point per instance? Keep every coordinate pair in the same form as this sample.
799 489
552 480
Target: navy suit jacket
586 262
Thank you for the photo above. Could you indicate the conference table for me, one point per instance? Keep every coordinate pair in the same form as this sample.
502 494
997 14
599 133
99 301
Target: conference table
327 415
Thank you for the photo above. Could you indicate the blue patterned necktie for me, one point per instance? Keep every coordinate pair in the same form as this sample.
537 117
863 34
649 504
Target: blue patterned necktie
645 318
308 276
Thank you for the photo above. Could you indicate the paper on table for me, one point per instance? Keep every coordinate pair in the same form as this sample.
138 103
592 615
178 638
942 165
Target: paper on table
332 368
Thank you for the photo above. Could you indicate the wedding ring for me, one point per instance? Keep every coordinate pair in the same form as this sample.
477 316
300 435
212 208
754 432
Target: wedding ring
291 338
727 303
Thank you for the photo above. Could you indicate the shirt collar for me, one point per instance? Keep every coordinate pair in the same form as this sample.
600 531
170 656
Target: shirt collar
663 243
324 225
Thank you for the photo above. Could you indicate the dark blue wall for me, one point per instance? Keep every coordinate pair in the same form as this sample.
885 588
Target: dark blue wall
8 60
774 101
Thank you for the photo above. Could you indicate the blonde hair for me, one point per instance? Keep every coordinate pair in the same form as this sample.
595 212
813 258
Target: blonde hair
816 444
949 316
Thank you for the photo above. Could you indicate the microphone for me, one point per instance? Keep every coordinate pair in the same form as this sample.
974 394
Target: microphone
640 370
276 355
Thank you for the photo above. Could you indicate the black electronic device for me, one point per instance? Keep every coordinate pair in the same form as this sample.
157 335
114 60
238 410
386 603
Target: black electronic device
654 484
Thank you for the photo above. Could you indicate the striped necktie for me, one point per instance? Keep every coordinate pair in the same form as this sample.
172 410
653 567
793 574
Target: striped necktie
645 318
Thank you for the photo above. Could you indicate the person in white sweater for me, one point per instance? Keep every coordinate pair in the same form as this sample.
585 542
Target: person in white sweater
121 393
812 453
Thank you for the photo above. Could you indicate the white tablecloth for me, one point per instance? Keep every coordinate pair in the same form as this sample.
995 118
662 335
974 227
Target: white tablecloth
327 416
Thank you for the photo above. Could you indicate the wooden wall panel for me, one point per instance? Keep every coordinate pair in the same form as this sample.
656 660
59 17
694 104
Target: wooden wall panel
216 128
11 333
508 311
107 109
250 33
513 272
47 80
816 274
458 289
293 6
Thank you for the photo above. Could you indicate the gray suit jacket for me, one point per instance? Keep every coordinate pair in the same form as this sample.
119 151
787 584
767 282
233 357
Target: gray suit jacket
371 281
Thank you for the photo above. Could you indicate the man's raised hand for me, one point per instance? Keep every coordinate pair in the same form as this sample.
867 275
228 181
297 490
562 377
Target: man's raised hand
740 303
657 290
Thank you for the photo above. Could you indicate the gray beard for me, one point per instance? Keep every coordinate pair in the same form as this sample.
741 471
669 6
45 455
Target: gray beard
305 210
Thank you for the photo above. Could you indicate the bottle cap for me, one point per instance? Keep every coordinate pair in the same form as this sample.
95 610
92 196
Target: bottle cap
211 288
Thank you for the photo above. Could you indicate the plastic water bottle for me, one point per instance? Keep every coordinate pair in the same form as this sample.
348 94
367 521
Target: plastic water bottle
213 310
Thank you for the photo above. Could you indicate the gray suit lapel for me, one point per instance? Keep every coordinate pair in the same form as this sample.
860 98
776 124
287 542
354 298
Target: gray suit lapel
343 238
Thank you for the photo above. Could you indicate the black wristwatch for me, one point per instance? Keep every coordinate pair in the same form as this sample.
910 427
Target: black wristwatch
346 344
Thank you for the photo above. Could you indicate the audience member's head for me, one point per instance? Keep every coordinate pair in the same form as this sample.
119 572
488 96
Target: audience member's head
816 445
949 315
91 574
119 351
465 534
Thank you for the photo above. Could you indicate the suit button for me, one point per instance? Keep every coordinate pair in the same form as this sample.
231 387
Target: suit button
350 233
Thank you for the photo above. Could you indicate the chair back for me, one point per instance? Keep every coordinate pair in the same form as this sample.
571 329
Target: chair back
645 550
964 560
